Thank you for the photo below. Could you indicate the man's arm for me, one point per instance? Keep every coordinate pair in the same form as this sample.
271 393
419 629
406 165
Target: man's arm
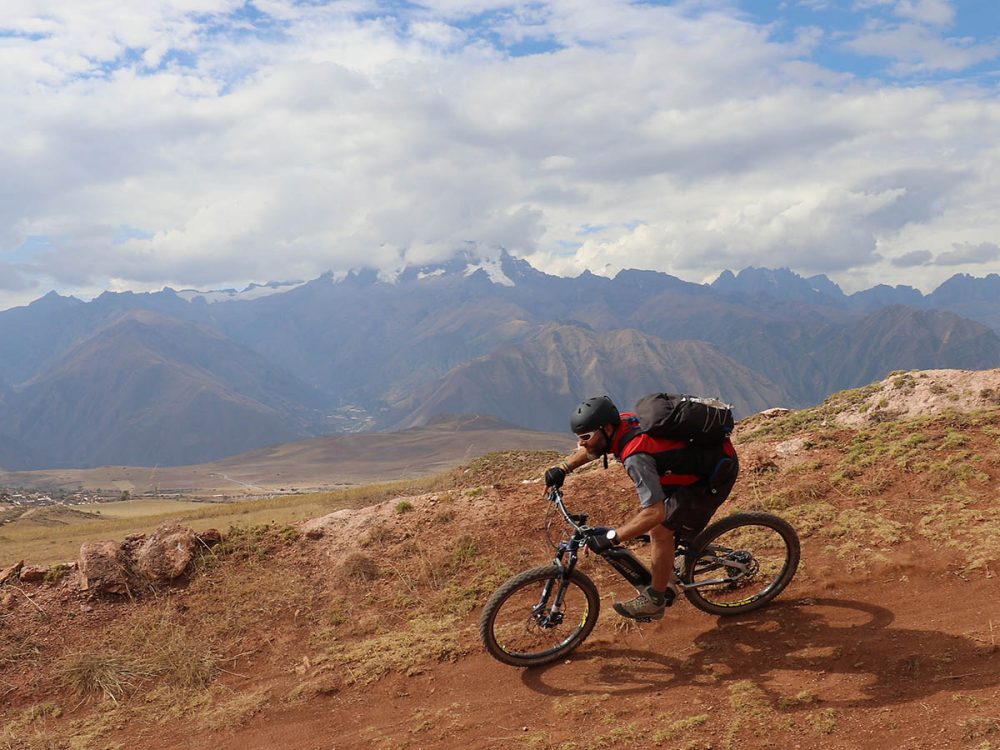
641 468
554 477
641 522
576 459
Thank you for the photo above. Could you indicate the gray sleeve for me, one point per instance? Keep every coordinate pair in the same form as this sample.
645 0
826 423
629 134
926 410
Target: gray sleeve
641 467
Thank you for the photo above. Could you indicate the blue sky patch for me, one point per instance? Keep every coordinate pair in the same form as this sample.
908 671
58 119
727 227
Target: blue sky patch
124 233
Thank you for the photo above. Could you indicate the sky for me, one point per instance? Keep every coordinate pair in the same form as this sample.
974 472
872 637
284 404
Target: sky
212 143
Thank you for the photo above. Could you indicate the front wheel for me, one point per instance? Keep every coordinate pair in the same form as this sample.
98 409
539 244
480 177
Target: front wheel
536 617
740 563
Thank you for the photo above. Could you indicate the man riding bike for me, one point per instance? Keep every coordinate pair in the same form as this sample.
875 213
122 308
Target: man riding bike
680 487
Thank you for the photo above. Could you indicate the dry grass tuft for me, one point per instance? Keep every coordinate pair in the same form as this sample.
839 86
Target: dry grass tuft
676 728
235 711
149 644
26 732
360 567
110 674
752 712
404 651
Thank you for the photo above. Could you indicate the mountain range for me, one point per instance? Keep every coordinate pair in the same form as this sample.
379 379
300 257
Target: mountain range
171 378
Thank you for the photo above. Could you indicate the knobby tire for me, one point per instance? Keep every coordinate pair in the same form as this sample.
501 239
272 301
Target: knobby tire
760 539
512 634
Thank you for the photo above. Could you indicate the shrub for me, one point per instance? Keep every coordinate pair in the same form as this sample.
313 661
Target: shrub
359 565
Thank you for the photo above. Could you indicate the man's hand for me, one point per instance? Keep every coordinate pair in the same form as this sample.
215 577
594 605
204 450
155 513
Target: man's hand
600 541
555 477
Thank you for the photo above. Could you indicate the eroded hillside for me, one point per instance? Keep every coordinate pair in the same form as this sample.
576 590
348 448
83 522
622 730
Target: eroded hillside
358 630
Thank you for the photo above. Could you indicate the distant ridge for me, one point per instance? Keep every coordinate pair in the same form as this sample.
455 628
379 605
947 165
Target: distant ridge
317 463
145 385
537 382
168 378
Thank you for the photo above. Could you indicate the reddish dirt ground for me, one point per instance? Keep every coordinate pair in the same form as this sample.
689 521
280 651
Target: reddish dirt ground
902 653
894 645
901 664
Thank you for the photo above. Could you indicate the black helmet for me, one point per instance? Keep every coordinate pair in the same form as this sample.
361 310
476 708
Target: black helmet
593 413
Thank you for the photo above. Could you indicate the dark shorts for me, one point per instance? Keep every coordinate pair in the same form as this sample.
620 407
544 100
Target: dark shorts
690 508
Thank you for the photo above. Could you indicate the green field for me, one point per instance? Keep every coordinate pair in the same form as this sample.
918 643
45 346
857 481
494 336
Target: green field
140 508
54 534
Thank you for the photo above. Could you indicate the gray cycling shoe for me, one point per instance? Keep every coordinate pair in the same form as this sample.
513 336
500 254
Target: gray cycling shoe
643 607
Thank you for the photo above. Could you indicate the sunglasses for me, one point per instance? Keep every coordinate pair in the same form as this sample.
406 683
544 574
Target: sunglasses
585 437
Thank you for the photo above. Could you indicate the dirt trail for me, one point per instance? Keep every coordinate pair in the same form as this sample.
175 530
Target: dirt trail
901 652
907 661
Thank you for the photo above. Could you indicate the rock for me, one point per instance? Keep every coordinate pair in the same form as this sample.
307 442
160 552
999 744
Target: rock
131 544
792 446
775 412
316 528
102 568
9 575
166 554
33 574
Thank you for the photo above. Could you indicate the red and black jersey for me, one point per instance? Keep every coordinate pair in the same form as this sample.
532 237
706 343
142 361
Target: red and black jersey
677 461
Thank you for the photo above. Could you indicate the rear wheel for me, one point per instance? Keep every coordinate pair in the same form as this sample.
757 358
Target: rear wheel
534 619
740 563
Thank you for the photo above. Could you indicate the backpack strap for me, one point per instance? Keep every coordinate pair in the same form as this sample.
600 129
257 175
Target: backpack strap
625 433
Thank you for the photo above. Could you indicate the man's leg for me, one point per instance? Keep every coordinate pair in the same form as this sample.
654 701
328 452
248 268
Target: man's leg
662 567
653 599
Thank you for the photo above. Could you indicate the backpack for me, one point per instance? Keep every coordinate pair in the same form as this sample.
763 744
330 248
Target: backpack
699 421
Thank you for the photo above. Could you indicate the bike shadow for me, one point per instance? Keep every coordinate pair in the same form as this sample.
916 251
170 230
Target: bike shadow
848 649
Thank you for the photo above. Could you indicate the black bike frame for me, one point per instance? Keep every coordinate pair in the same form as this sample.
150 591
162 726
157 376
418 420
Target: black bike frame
619 558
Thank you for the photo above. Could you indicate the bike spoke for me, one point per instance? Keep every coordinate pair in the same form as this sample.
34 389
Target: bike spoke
740 566
527 626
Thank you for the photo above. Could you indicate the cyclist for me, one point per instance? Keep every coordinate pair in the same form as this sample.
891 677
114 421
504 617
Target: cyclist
679 486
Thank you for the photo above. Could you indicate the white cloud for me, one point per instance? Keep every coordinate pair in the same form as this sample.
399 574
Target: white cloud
913 258
936 12
249 148
12 280
967 254
917 49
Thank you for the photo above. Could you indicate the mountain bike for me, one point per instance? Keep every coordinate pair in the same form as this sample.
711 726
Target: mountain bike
734 566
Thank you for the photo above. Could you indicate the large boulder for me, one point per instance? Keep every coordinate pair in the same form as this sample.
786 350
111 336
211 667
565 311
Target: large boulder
165 554
102 568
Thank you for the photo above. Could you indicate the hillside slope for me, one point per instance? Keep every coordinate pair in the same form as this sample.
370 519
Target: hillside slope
149 389
538 382
362 633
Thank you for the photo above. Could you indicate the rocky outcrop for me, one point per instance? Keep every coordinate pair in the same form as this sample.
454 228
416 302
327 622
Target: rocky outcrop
141 561
167 554
103 568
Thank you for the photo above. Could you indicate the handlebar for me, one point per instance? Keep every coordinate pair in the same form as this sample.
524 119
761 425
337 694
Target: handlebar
577 520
